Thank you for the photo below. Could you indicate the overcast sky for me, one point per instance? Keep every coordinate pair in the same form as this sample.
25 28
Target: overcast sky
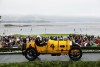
51 7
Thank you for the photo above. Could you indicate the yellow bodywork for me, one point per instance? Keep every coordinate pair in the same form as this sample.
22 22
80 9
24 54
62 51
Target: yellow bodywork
52 47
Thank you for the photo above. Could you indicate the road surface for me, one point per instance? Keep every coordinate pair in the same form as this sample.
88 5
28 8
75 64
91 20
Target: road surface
20 58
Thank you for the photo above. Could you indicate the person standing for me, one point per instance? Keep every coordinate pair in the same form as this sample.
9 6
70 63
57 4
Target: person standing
74 30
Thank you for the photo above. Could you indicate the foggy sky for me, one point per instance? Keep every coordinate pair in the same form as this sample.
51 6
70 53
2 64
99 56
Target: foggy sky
51 7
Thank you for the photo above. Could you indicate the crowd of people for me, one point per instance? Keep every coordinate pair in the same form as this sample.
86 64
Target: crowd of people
85 40
82 40
16 42
12 41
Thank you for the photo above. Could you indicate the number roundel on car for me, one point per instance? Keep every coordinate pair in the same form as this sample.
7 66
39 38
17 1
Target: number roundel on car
52 46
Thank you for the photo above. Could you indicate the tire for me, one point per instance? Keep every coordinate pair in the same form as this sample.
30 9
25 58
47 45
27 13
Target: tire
75 56
31 54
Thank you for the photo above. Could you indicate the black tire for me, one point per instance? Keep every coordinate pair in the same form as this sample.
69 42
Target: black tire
76 55
31 54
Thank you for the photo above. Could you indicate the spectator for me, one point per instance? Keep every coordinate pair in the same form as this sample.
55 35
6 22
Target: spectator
83 40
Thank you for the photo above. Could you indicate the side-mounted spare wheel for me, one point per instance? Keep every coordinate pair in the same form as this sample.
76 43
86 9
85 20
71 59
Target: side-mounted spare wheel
31 54
75 53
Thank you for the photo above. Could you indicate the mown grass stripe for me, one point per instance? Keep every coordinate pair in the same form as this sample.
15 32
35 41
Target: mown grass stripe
53 64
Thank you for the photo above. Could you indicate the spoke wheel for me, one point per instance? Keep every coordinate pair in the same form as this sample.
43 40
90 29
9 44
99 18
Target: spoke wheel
31 54
75 53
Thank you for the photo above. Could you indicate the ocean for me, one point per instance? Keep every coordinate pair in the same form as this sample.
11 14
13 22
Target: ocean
35 28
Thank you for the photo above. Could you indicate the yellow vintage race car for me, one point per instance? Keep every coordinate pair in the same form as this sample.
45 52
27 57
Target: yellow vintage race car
33 49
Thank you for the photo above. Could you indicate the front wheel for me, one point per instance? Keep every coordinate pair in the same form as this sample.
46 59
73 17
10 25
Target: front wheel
75 53
31 54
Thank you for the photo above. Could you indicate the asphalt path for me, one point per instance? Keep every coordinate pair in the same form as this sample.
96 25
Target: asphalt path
10 58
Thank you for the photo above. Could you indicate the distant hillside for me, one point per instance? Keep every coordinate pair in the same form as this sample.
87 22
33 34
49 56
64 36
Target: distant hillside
50 19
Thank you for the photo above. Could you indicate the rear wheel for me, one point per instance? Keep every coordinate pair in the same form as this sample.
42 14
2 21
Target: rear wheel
75 53
31 54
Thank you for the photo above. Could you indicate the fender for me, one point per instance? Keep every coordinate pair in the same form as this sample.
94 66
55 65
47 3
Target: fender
30 44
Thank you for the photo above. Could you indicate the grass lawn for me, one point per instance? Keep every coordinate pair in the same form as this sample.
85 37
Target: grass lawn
43 35
53 64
